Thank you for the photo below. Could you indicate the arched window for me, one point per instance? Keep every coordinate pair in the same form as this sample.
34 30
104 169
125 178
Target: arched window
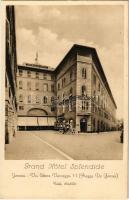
44 99
84 73
83 90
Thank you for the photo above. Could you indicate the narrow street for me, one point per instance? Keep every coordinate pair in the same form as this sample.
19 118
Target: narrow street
44 145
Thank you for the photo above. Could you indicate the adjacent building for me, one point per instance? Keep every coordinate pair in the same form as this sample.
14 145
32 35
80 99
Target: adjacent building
76 90
35 92
10 76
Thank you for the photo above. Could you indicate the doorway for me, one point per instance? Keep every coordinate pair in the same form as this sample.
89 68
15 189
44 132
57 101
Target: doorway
83 125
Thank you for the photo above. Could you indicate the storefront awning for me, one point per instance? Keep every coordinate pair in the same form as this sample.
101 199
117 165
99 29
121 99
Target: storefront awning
27 121
36 121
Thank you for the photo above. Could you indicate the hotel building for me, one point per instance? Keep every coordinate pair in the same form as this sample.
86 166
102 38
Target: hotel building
76 90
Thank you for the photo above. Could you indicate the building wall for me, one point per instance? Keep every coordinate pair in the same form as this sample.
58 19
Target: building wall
10 76
83 107
66 88
103 109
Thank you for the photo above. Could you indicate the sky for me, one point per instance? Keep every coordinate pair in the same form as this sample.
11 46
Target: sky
52 30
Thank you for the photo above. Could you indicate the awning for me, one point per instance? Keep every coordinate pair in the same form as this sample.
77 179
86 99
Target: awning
42 121
36 121
51 121
27 121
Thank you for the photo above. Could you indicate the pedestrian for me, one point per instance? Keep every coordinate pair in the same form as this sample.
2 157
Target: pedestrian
70 127
122 135
63 127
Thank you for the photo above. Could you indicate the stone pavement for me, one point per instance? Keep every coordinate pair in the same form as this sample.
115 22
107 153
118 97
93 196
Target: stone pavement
39 145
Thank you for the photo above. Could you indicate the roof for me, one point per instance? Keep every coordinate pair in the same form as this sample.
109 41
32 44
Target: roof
36 67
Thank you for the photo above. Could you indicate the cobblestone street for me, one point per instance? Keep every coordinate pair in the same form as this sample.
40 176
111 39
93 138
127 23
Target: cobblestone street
38 145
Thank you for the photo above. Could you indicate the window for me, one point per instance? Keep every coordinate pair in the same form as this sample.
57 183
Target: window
52 108
20 98
87 105
45 87
21 107
53 104
83 90
37 75
29 85
63 82
58 86
44 76
94 79
52 88
29 99
84 73
37 86
28 73
52 77
37 99
83 106
20 85
94 95
71 91
44 99
20 72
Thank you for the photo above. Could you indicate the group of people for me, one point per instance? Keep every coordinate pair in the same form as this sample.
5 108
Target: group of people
66 127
